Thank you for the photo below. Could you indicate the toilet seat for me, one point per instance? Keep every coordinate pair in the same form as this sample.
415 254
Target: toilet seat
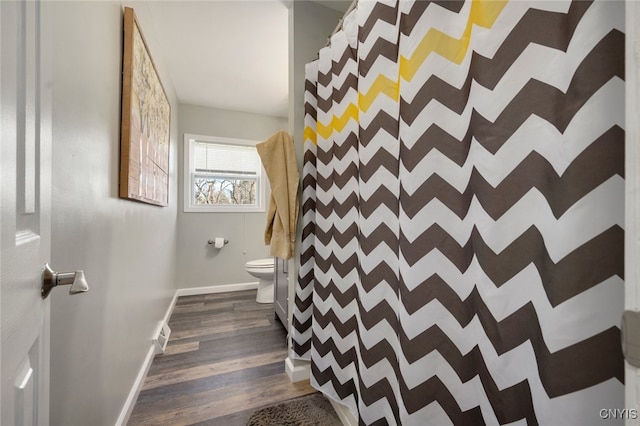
260 264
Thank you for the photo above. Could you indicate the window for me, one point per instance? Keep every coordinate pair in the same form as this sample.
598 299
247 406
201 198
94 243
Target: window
222 175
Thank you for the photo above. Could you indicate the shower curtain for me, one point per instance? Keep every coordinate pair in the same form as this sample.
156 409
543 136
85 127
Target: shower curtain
463 208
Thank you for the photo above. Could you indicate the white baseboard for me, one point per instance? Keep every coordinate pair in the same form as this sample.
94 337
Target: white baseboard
344 414
172 305
299 372
130 402
127 409
164 324
193 291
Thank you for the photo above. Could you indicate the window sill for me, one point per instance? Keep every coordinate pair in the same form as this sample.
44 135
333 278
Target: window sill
223 209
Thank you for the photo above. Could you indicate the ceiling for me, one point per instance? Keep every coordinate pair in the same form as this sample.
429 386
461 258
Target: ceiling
229 54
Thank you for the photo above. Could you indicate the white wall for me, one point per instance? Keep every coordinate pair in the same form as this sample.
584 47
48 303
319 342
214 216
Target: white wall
632 185
199 264
127 249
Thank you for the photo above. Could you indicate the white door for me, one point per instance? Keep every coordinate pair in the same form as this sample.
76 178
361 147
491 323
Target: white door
632 196
25 185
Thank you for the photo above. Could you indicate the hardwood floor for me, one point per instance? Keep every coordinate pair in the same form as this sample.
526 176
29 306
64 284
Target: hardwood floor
224 360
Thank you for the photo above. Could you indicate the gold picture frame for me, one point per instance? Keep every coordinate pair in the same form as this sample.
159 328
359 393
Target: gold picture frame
146 122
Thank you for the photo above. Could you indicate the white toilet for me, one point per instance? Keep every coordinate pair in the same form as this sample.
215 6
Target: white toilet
262 269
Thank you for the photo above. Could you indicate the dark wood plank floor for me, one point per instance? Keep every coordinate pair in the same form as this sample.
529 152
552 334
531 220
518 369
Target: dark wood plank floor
224 360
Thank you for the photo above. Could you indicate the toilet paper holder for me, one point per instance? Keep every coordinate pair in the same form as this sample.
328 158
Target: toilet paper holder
212 242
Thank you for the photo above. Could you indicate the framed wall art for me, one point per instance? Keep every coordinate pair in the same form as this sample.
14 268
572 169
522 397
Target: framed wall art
146 121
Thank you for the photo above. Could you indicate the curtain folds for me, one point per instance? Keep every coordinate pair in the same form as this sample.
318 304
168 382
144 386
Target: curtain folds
463 209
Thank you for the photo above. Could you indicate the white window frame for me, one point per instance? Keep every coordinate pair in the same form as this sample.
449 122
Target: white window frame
190 207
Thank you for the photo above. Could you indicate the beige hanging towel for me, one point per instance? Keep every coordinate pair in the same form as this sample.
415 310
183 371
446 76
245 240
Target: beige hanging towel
279 160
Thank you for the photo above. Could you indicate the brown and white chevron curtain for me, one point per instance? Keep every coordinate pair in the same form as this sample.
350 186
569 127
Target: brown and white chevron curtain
463 210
